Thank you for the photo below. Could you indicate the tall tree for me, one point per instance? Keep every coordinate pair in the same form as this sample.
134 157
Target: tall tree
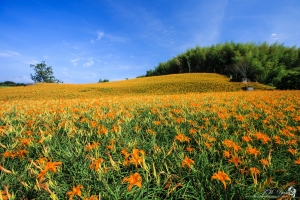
43 74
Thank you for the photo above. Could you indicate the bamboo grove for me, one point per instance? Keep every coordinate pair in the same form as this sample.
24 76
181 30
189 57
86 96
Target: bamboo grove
265 63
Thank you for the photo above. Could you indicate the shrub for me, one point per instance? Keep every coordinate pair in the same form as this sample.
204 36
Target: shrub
290 81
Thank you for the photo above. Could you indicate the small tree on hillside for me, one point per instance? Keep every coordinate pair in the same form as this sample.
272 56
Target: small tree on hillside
43 74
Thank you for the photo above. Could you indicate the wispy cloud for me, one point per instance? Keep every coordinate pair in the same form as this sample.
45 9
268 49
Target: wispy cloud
75 61
33 62
110 37
100 35
89 63
8 53
274 36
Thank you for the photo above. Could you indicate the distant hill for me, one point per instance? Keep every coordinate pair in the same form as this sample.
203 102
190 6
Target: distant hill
158 85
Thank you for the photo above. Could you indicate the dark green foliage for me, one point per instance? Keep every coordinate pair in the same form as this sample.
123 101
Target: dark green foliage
43 74
290 81
103 81
11 84
263 62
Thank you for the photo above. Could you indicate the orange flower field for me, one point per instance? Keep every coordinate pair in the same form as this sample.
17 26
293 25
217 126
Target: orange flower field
212 145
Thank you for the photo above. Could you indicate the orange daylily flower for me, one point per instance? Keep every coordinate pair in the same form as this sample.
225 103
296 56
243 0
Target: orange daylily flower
49 166
246 138
292 142
277 139
187 162
8 154
297 161
41 161
75 191
21 153
94 197
5 194
111 145
292 151
226 154
26 141
115 129
264 162
235 160
179 120
89 147
182 138
221 176
193 131
253 151
101 130
150 131
136 158
262 137
124 151
134 179
96 164
156 123
93 124
127 155
231 144
207 145
190 149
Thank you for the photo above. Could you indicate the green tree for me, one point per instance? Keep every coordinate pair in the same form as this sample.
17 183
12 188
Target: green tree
43 74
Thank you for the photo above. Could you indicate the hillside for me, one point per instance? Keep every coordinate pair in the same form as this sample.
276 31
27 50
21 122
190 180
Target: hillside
168 84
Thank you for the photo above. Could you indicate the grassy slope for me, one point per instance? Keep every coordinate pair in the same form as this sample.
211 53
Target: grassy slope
169 84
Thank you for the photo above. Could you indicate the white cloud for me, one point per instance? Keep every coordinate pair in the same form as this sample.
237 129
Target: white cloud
33 62
273 34
100 35
8 53
75 61
89 63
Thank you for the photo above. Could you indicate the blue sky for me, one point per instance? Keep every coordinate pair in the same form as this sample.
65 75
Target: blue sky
85 40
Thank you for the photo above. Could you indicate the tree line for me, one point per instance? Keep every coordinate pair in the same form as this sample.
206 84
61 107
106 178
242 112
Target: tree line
11 84
271 64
